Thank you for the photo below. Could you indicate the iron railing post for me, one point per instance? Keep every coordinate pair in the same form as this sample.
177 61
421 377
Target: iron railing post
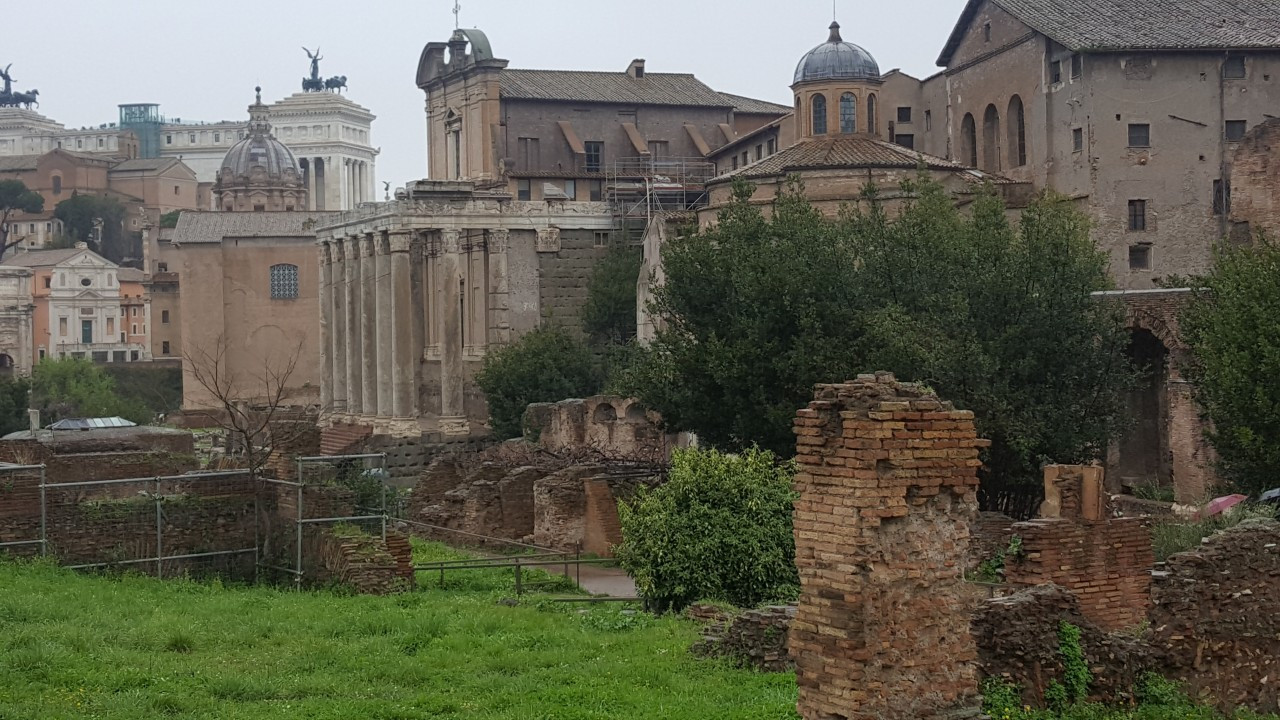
159 531
44 514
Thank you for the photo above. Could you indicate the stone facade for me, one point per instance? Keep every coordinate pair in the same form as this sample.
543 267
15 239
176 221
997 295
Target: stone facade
468 271
16 309
887 477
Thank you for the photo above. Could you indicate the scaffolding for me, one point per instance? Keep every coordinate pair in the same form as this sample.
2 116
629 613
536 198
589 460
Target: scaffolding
639 188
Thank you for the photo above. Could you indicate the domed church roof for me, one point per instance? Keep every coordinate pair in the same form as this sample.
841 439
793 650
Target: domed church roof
836 59
259 149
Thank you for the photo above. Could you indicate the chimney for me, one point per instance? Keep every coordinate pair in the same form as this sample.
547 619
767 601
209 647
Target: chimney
636 68
82 246
33 417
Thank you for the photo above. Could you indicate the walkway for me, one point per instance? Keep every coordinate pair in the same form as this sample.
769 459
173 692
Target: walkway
600 580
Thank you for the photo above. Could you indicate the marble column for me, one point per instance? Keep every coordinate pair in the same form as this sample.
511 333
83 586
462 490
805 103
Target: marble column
311 183
326 328
499 325
368 327
338 332
453 411
404 318
355 383
384 334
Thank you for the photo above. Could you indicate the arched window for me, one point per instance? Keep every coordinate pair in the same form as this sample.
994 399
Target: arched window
871 114
1017 133
819 115
848 113
969 141
991 139
57 184
284 281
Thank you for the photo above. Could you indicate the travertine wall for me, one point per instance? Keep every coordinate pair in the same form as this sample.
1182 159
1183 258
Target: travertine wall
887 476
610 425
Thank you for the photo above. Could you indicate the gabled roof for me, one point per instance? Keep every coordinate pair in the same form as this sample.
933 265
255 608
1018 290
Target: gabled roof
143 164
753 106
610 87
45 258
1117 25
838 153
18 163
128 274
213 227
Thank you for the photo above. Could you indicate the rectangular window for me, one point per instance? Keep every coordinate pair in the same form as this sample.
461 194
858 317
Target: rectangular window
1077 139
283 282
906 141
168 139
659 149
1233 67
99 356
164 347
595 154
133 355
48 281
571 189
1221 197
217 137
904 115
176 191
191 138
111 326
523 191
86 331
1139 135
773 146
1235 130
162 267
596 188
735 162
1077 66
62 327
1055 72
1140 257
928 120
986 32
602 238
164 317
118 356
1137 215
99 142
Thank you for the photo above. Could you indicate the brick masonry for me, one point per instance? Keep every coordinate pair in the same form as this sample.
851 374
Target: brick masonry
1216 617
756 639
1105 562
887 482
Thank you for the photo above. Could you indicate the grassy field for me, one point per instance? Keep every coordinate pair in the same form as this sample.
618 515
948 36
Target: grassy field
76 646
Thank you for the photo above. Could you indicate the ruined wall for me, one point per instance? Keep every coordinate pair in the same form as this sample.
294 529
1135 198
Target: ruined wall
756 639
1017 639
607 424
1216 617
1255 189
602 528
364 562
887 477
989 535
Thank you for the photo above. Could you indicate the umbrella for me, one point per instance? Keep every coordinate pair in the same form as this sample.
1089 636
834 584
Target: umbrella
1217 506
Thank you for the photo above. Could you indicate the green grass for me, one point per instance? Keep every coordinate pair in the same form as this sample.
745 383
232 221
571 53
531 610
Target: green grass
80 646
1170 536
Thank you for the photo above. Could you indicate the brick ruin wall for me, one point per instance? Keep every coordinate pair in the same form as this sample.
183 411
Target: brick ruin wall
610 425
989 536
365 563
1105 562
1215 617
755 639
887 482
565 508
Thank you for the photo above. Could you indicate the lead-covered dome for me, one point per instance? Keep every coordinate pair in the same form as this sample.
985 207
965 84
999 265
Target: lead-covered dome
836 59
260 149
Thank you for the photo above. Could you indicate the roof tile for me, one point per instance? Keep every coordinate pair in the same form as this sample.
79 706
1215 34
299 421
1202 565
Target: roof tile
212 227
610 87
834 153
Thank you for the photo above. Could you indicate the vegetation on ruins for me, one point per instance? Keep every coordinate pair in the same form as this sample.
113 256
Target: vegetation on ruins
131 647
997 318
15 197
1170 536
719 529
548 364
77 388
1232 327
13 403
609 315
1157 699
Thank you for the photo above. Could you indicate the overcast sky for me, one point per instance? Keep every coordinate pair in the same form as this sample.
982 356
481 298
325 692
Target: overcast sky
201 60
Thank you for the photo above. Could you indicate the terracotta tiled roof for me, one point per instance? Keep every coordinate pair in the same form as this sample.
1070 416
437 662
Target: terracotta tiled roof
610 87
42 258
1140 24
128 274
212 227
15 163
144 164
833 153
753 106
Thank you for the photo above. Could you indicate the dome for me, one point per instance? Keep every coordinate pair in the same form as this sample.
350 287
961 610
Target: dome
259 149
837 60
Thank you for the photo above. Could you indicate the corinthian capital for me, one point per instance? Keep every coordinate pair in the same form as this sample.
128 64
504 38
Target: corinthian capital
451 241
499 240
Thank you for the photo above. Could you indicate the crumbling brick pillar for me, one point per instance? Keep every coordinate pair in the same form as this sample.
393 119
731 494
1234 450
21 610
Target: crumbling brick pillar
887 476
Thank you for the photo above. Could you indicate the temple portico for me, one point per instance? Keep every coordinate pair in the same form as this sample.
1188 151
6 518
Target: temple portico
415 292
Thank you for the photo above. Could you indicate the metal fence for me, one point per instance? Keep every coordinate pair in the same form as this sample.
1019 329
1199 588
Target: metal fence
21 524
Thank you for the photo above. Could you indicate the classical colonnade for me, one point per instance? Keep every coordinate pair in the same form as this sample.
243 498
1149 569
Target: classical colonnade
354 178
391 300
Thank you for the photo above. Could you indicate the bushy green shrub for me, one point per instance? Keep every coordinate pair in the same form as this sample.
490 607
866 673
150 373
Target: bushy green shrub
718 529
545 365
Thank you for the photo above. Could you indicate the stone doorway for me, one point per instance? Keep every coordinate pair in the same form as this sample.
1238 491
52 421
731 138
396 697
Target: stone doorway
1142 456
